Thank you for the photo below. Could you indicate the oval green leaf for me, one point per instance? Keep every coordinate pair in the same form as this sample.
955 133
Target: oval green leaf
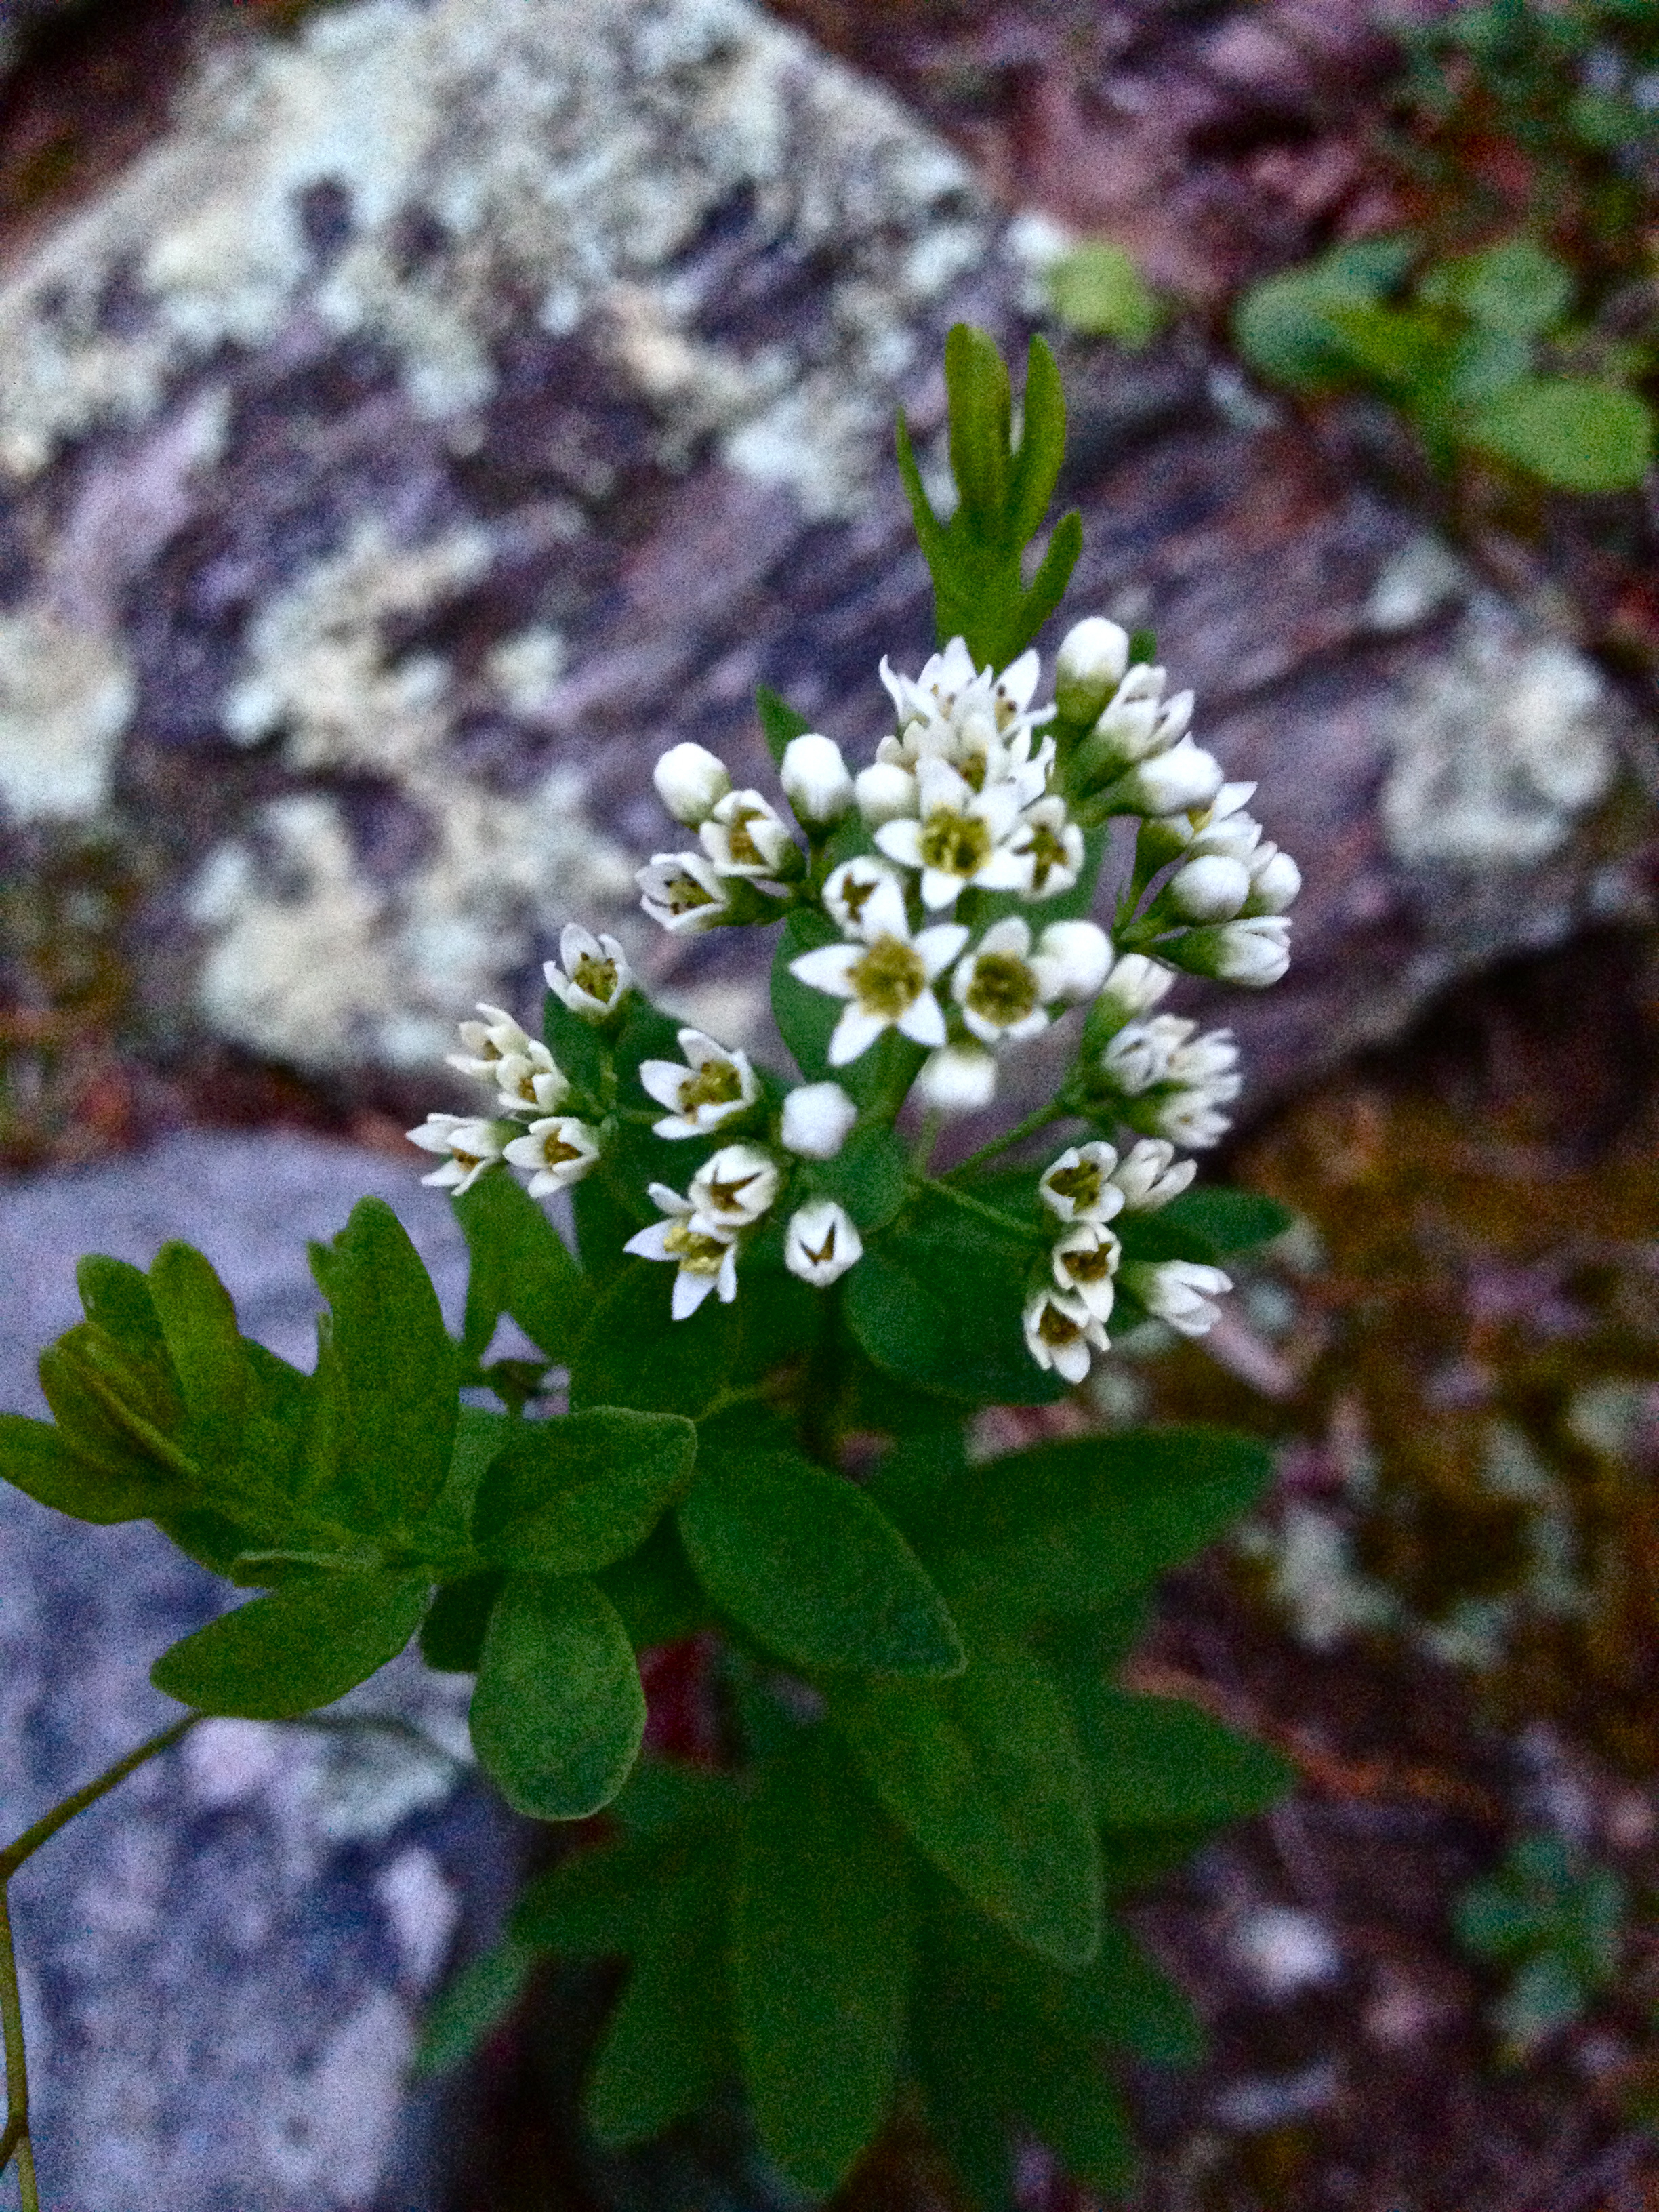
304 1645
558 1713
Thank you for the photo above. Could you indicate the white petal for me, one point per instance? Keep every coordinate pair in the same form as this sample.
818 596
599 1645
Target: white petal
1012 934
649 1243
901 840
726 1281
663 1080
669 1200
855 1032
939 890
690 1290
922 1021
940 945
830 968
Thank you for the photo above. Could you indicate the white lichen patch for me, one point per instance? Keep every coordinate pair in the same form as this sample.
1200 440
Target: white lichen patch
1500 748
66 694
559 151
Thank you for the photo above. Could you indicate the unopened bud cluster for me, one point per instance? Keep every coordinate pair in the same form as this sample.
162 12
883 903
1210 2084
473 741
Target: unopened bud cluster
932 866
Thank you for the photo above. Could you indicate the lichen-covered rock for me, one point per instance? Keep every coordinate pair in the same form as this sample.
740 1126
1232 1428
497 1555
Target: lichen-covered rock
466 398
224 1962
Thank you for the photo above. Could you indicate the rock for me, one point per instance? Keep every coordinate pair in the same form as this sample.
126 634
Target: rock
461 401
225 1962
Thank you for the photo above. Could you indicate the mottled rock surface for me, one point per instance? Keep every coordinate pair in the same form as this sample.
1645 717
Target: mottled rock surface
224 1962
461 401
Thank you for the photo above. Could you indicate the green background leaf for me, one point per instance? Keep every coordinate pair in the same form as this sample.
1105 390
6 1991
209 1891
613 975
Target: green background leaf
568 1497
558 1713
306 1645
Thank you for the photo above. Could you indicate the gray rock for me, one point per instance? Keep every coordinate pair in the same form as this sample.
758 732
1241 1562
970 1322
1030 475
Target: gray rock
224 1962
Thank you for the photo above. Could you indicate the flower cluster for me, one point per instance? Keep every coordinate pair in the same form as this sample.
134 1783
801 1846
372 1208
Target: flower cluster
927 871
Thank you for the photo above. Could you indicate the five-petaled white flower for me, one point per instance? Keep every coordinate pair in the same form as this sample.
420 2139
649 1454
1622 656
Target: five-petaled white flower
821 1243
558 1151
532 1078
1180 1293
707 1258
1000 987
468 1146
682 891
745 835
1078 1187
887 980
713 1086
962 836
1060 1332
1084 1262
595 977
732 1189
488 1043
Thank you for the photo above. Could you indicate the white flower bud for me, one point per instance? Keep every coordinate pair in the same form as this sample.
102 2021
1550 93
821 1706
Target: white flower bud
557 1151
815 781
957 1078
1209 888
1093 655
1169 783
690 782
821 1242
1182 1292
886 792
745 835
1275 881
1073 958
1256 952
1136 984
1150 1175
815 1121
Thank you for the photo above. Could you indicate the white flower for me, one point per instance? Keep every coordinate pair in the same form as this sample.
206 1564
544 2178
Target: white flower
999 988
707 1258
973 721
1223 827
1078 1187
682 891
821 1242
1170 782
714 1086
886 792
1049 847
1182 1292
745 835
957 1078
935 692
815 780
1077 956
847 892
733 1189
468 1145
1212 888
962 837
595 976
816 1119
690 782
532 1078
1150 1175
1256 950
1139 1056
1088 667
1192 1118
559 1151
488 1043
1136 984
1205 1062
886 980
1084 1262
1136 725
1061 1334
1275 881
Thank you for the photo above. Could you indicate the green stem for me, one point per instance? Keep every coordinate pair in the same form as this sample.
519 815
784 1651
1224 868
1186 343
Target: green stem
26 1845
1028 1127
922 1151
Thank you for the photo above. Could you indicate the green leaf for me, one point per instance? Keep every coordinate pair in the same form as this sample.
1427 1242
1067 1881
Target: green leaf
633 1353
568 1497
443 1536
520 1266
389 1369
117 1297
558 1713
803 1560
982 407
35 1459
658 1596
1515 286
939 1305
805 1018
1546 1994
581 1052
1227 1220
198 1322
779 722
1047 586
1155 1762
669 2041
305 1645
118 1409
1572 433
601 1903
1282 326
1097 289
472 2006
869 1176
1408 350
820 1961
1041 442
1126 1999
985 1773
453 1633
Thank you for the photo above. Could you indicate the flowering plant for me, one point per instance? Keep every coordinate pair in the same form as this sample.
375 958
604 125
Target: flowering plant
778 1324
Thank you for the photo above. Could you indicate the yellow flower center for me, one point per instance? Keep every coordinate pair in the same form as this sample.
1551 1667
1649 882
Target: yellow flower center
890 978
597 977
1096 1265
743 849
956 844
697 1253
826 1251
716 1083
1056 1329
681 894
555 1149
1004 990
1048 853
1080 1183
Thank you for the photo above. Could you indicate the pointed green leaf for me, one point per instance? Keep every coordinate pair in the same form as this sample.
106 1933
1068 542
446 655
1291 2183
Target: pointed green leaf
669 2042
199 1324
391 1370
116 1408
805 1018
820 1960
1124 1997
305 1645
558 1713
1228 1220
602 1903
1041 442
1154 1762
804 1561
117 1297
518 1265
986 1774
1047 586
471 2006
930 535
635 1353
779 722
981 408
568 1497
35 1458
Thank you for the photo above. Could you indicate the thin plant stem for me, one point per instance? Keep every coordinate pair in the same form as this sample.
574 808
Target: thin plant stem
1028 1127
25 1846
922 1151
